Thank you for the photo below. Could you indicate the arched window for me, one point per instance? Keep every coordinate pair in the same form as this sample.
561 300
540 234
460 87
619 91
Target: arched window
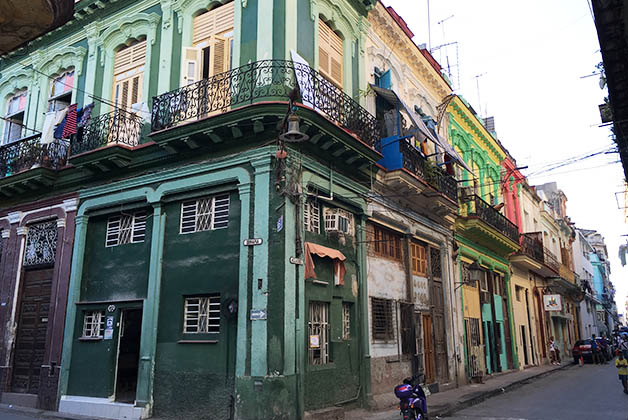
330 57
14 117
128 75
61 91
211 52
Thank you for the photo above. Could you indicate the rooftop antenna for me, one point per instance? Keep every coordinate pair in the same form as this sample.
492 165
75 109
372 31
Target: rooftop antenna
429 28
442 22
477 84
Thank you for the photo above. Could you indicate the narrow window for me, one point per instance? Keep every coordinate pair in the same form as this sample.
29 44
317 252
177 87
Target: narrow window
518 293
382 319
14 117
386 243
202 315
311 216
419 259
126 229
330 53
128 74
61 91
202 214
318 331
212 45
93 324
346 321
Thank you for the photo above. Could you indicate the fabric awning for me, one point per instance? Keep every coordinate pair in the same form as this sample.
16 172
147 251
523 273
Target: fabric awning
322 251
394 99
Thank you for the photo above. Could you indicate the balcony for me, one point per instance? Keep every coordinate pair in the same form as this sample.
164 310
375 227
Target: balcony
567 273
268 81
534 256
29 164
106 141
418 165
482 223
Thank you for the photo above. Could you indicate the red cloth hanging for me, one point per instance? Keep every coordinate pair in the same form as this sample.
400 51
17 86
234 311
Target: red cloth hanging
322 251
70 122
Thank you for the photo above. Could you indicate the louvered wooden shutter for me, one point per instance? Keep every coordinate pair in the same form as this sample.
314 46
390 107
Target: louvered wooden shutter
191 66
128 70
216 21
330 53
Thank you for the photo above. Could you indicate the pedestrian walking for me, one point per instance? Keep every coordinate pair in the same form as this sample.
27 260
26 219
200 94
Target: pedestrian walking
622 370
623 347
554 356
596 351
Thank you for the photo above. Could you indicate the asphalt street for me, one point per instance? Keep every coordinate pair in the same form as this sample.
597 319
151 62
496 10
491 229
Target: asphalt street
590 392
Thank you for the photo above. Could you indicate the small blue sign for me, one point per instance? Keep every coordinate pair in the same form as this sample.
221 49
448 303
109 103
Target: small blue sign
258 314
280 223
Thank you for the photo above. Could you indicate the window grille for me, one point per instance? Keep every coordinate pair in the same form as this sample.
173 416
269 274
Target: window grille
202 214
311 216
318 331
93 324
346 321
202 315
435 263
126 229
419 259
466 276
41 243
382 321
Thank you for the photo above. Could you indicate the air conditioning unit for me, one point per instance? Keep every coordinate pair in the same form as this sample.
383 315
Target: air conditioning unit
337 221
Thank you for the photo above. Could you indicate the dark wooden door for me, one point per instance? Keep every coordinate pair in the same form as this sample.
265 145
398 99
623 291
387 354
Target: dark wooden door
428 348
507 333
438 316
30 343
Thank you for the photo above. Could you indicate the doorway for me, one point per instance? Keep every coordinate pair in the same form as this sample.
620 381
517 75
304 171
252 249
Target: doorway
428 348
128 354
524 345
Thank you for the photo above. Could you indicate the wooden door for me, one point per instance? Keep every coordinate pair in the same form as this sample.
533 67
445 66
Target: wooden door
30 343
428 348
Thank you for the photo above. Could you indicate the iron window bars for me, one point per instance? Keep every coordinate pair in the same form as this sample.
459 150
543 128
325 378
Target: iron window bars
266 80
126 229
41 243
318 331
93 324
202 214
202 314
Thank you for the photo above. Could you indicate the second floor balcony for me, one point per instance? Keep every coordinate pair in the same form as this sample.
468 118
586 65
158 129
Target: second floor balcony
488 226
266 81
110 137
30 163
544 262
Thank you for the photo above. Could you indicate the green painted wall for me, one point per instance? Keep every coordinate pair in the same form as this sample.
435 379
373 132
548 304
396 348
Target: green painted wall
196 264
175 73
326 385
118 272
279 32
248 44
305 33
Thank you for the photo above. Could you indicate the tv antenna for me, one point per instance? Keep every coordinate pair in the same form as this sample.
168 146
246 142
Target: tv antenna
477 85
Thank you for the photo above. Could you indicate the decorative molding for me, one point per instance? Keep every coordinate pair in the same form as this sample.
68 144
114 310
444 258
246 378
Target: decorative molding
166 9
129 27
15 217
22 230
186 8
70 205
6 233
14 81
244 3
60 223
57 59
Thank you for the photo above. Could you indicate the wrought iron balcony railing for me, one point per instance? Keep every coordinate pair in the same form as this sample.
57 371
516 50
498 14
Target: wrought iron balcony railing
492 217
266 80
550 260
116 127
30 153
416 163
532 245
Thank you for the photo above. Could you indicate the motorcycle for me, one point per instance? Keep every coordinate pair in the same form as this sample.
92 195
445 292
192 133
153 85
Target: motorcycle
413 402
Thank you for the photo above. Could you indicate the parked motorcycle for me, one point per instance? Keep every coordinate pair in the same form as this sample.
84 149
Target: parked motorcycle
413 402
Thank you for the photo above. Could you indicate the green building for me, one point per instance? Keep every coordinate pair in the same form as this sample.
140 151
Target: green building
218 265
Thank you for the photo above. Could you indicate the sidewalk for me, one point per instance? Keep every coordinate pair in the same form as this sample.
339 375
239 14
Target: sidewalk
445 403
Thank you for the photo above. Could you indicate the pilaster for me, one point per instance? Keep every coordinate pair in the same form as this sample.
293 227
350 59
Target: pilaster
92 30
265 30
165 49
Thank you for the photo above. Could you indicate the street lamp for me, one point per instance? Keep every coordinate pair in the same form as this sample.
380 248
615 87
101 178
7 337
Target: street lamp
475 272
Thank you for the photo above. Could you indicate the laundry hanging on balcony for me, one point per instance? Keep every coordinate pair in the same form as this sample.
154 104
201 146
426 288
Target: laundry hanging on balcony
418 125
322 251
51 120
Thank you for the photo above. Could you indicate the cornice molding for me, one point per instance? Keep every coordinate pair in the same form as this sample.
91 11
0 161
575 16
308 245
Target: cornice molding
128 27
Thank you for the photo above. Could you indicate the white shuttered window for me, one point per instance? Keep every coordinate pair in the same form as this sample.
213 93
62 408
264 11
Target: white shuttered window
126 229
329 53
212 40
128 73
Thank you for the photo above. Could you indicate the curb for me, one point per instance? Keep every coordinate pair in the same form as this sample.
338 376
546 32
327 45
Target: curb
449 409
41 414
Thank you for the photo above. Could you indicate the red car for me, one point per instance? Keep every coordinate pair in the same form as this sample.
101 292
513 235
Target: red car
582 348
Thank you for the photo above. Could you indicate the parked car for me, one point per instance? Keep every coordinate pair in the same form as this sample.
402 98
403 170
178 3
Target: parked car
582 348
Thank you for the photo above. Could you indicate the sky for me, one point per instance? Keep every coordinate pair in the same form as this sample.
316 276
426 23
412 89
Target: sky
531 60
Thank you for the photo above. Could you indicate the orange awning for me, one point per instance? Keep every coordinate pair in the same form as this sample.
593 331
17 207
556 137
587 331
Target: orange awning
324 252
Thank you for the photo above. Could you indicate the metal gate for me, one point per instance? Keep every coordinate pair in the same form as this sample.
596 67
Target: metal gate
30 344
